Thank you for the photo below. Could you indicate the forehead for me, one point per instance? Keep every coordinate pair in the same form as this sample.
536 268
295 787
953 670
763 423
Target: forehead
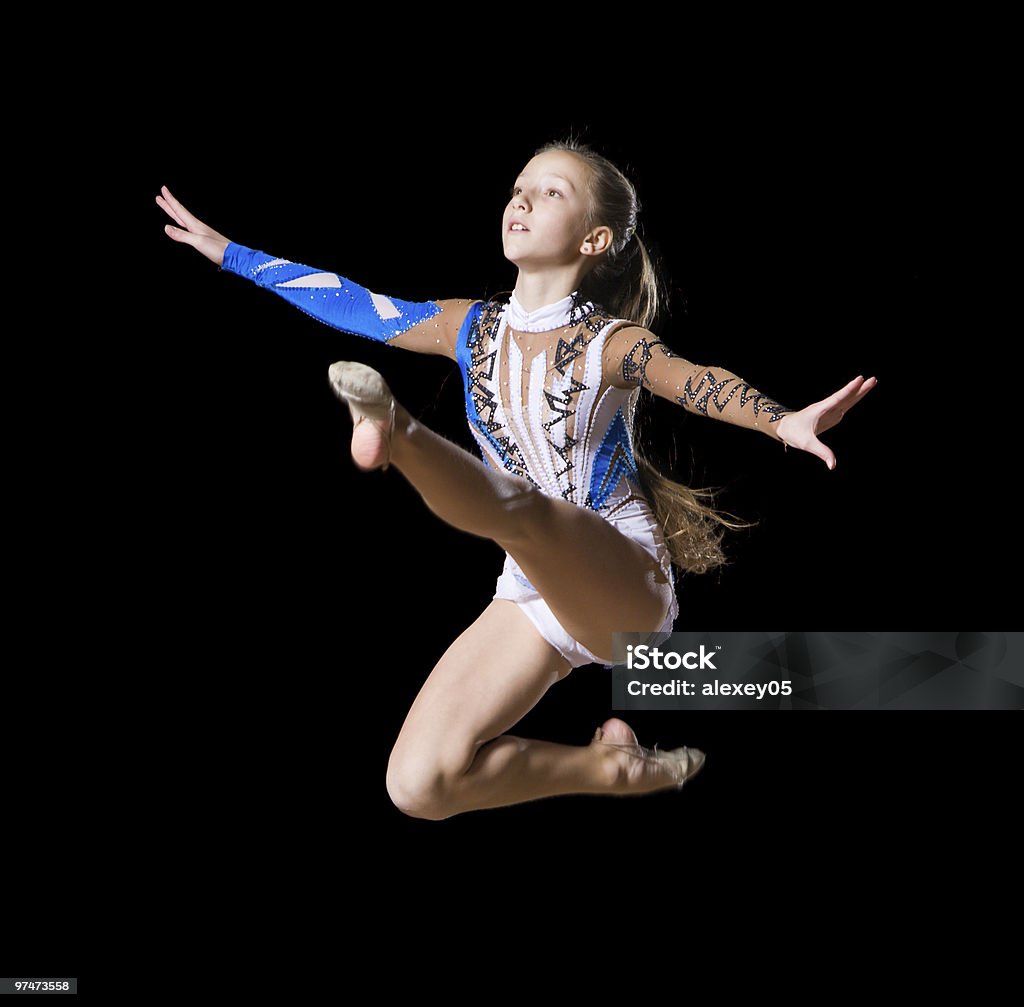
558 162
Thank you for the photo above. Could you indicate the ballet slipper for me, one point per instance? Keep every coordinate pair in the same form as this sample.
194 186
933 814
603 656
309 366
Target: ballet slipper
367 395
683 764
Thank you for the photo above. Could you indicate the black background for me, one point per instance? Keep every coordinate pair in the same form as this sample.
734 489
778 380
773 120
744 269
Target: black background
276 610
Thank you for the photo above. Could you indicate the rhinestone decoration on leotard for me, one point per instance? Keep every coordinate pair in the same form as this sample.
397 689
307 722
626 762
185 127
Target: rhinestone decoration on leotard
564 452
547 385
330 297
480 377
761 402
614 461
566 352
562 407
634 370
580 309
634 363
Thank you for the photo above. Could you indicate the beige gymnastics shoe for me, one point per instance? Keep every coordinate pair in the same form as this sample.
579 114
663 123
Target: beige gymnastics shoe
648 769
368 397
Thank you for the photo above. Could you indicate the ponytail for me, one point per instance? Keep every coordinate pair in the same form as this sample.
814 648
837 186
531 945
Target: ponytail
626 284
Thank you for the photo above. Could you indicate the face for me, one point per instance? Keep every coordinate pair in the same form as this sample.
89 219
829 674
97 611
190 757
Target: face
544 221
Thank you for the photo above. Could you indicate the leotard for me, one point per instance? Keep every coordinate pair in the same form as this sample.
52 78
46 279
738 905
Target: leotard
547 396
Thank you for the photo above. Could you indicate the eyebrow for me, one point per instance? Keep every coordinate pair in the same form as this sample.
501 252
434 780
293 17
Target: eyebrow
554 174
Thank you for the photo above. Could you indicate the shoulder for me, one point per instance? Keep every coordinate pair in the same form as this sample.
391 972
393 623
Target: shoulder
462 307
457 307
458 313
466 321
627 352
623 337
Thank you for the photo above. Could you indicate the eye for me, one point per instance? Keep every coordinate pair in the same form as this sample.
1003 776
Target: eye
555 191
515 189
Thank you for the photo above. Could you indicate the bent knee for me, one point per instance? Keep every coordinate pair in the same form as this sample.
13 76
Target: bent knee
421 786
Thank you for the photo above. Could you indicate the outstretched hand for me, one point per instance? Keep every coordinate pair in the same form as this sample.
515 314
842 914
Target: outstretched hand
800 429
191 230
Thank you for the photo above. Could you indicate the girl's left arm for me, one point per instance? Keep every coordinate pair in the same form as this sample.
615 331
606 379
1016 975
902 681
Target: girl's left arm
634 356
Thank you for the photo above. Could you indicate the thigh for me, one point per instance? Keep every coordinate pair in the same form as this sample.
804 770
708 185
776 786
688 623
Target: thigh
487 681
594 578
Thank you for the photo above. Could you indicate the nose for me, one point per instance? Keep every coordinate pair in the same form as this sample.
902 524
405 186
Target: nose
519 201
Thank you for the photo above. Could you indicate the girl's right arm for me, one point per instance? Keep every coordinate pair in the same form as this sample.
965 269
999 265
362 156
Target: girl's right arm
423 327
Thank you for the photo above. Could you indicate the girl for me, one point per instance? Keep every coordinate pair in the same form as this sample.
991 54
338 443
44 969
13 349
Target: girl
590 529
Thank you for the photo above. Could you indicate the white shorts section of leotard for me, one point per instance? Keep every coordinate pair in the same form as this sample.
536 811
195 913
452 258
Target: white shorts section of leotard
635 522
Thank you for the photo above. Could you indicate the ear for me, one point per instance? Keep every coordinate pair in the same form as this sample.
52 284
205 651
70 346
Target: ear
597 241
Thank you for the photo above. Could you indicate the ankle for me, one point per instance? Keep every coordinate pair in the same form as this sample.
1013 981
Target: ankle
403 420
405 427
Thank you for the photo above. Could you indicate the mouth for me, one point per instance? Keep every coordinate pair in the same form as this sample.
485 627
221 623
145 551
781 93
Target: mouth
517 228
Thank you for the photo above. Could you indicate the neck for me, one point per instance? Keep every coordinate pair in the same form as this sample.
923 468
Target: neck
536 289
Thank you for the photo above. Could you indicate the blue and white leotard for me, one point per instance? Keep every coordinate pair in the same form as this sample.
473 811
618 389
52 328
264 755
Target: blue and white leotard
538 401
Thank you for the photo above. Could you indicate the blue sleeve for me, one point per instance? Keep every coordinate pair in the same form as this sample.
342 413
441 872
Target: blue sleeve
328 297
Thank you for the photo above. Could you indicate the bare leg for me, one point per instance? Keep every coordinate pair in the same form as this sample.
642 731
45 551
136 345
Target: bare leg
452 757
594 579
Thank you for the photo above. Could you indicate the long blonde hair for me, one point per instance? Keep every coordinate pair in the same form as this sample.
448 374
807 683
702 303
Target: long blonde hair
626 284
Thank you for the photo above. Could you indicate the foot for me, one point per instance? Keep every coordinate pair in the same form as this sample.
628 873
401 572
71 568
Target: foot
638 770
372 407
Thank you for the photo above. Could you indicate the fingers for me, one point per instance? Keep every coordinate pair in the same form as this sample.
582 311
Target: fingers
864 389
179 235
849 395
835 408
822 451
180 213
843 392
169 210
